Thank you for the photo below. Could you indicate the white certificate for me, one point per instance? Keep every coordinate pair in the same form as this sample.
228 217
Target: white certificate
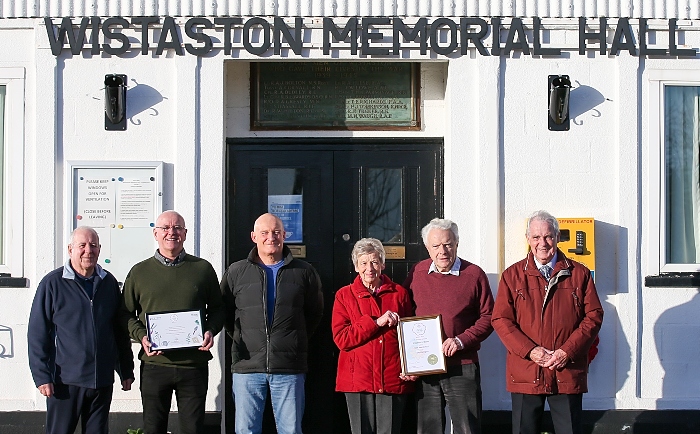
178 329
420 345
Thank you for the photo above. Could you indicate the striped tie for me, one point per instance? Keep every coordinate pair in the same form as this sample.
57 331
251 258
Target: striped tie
546 271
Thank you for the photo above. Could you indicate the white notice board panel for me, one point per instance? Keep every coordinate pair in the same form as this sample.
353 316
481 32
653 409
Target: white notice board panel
121 201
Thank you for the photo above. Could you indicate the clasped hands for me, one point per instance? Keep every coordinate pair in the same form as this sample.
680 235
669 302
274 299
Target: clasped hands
549 359
389 319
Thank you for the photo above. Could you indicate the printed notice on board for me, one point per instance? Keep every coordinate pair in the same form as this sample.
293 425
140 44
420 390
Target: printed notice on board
121 201
96 202
289 209
136 202
104 202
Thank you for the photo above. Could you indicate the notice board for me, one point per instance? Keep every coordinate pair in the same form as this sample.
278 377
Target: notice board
121 201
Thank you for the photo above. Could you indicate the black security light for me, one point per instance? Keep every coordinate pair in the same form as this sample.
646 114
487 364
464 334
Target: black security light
559 88
115 102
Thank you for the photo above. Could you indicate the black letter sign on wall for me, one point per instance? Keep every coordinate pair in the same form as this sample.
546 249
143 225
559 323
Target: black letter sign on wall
375 36
247 27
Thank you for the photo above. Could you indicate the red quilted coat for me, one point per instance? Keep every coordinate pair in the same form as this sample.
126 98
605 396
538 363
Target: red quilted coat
369 355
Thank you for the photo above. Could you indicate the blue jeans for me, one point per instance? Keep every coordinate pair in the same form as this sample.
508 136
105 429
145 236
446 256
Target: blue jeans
250 394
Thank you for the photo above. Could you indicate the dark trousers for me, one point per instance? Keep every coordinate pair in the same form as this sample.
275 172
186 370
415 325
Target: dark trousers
460 389
157 386
375 413
69 403
565 409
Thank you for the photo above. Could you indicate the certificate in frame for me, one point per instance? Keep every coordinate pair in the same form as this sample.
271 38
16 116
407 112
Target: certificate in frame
174 329
420 345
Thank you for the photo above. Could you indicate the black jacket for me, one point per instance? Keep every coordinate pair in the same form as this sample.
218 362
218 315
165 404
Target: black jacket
74 340
281 347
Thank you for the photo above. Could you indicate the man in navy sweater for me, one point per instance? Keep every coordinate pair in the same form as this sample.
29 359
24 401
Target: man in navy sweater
460 292
74 342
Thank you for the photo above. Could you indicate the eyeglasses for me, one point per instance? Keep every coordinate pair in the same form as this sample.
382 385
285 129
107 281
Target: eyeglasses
174 228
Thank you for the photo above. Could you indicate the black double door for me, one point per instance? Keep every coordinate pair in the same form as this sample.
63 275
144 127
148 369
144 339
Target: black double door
330 194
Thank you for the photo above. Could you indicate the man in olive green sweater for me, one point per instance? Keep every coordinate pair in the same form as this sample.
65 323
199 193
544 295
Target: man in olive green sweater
172 280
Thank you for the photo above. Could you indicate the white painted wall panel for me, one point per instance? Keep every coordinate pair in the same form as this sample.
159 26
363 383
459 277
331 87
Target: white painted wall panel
693 9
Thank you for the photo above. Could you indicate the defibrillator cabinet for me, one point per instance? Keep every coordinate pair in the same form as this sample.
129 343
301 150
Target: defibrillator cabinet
577 240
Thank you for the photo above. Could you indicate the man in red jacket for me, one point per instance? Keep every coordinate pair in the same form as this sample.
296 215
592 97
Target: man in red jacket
547 314
460 292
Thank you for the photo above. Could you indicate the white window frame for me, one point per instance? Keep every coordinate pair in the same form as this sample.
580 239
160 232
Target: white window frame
656 229
13 223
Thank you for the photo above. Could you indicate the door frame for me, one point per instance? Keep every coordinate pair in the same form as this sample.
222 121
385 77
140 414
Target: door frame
328 144
294 144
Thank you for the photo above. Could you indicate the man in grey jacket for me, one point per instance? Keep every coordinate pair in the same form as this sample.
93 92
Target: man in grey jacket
273 304
75 342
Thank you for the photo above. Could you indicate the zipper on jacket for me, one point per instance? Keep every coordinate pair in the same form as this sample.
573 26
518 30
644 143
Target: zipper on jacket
268 326
94 335
265 301
95 284
520 293
374 299
94 329
544 300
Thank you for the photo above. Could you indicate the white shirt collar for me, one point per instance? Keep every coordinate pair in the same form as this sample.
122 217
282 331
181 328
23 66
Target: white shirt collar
550 263
454 270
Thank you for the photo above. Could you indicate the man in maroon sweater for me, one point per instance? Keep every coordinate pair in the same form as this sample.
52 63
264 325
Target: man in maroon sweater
460 292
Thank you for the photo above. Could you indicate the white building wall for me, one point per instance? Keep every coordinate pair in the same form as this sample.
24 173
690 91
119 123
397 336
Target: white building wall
577 173
17 52
501 163
667 317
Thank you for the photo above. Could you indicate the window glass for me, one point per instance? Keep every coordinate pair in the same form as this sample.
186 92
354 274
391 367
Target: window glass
12 170
682 174
284 181
384 200
285 196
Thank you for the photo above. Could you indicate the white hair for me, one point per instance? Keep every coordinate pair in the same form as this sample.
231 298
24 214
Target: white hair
443 224
366 246
83 229
543 216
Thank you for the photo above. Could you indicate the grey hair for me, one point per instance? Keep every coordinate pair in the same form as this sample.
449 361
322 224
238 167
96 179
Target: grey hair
543 216
83 229
442 224
365 246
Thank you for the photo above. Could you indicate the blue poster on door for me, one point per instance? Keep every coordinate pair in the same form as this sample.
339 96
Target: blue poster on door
289 209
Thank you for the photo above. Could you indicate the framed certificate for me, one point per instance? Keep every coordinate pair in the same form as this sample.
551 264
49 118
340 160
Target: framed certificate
175 329
420 345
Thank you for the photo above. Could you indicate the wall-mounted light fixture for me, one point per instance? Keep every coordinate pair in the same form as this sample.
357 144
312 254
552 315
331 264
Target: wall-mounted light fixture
558 113
115 102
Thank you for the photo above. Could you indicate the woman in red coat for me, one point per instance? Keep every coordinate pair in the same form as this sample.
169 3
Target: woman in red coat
365 315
